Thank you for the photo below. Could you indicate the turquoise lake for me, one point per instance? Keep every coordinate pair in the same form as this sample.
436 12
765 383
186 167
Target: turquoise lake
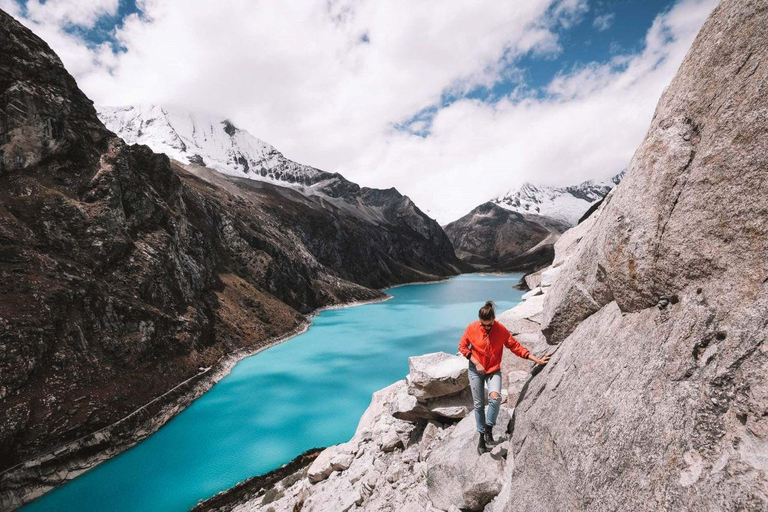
306 392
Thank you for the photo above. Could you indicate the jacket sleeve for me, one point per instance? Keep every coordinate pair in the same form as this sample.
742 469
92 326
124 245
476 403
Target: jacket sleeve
512 344
464 344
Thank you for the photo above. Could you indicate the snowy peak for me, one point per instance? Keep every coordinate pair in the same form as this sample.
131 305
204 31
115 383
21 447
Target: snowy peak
216 143
567 203
205 140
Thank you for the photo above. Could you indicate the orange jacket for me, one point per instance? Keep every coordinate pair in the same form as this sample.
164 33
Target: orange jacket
487 347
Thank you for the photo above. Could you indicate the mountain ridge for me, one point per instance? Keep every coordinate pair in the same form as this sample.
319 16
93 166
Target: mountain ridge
215 142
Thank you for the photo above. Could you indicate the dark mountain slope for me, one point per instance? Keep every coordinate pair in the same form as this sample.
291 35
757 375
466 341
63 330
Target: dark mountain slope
495 238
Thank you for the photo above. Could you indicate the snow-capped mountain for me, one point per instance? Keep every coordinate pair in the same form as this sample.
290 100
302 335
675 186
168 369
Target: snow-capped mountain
215 143
567 204
517 231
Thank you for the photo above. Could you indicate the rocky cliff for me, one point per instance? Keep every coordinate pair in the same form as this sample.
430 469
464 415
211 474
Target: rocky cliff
656 397
131 283
656 308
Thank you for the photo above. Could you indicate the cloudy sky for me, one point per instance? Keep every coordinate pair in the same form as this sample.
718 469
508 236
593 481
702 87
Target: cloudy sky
453 102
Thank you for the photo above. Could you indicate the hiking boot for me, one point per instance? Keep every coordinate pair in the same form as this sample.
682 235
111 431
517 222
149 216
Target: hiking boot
489 435
481 448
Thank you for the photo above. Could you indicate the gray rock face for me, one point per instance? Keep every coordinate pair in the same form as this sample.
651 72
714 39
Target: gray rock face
689 213
656 396
457 476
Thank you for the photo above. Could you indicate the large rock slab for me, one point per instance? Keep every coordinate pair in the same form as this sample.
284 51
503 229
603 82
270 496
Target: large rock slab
449 407
457 475
524 318
690 212
533 280
437 374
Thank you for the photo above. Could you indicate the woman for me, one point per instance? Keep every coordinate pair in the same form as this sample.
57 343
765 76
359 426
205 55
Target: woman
482 344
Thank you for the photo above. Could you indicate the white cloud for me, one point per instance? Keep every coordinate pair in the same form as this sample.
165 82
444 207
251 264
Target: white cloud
70 12
11 7
299 74
603 21
587 126
326 82
53 20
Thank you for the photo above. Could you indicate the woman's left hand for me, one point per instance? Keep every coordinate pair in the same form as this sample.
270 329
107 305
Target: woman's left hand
543 360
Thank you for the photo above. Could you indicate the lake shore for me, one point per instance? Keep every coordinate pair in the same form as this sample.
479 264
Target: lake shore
35 477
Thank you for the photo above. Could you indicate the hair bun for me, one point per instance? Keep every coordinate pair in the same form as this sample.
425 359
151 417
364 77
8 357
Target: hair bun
486 312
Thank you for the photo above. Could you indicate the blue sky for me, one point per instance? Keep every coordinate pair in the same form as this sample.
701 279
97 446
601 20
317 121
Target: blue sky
423 95
583 42
104 28
596 34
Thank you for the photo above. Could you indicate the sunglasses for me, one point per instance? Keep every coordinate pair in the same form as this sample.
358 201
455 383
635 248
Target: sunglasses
487 326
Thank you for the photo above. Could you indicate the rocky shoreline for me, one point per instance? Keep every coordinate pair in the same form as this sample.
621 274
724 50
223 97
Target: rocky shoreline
249 488
32 478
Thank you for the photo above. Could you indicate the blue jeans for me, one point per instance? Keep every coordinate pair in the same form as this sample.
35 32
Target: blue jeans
477 381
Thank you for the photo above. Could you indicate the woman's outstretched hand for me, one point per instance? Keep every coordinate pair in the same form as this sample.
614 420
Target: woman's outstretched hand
544 359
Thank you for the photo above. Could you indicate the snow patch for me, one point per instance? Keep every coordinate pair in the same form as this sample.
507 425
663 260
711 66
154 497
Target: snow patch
192 138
